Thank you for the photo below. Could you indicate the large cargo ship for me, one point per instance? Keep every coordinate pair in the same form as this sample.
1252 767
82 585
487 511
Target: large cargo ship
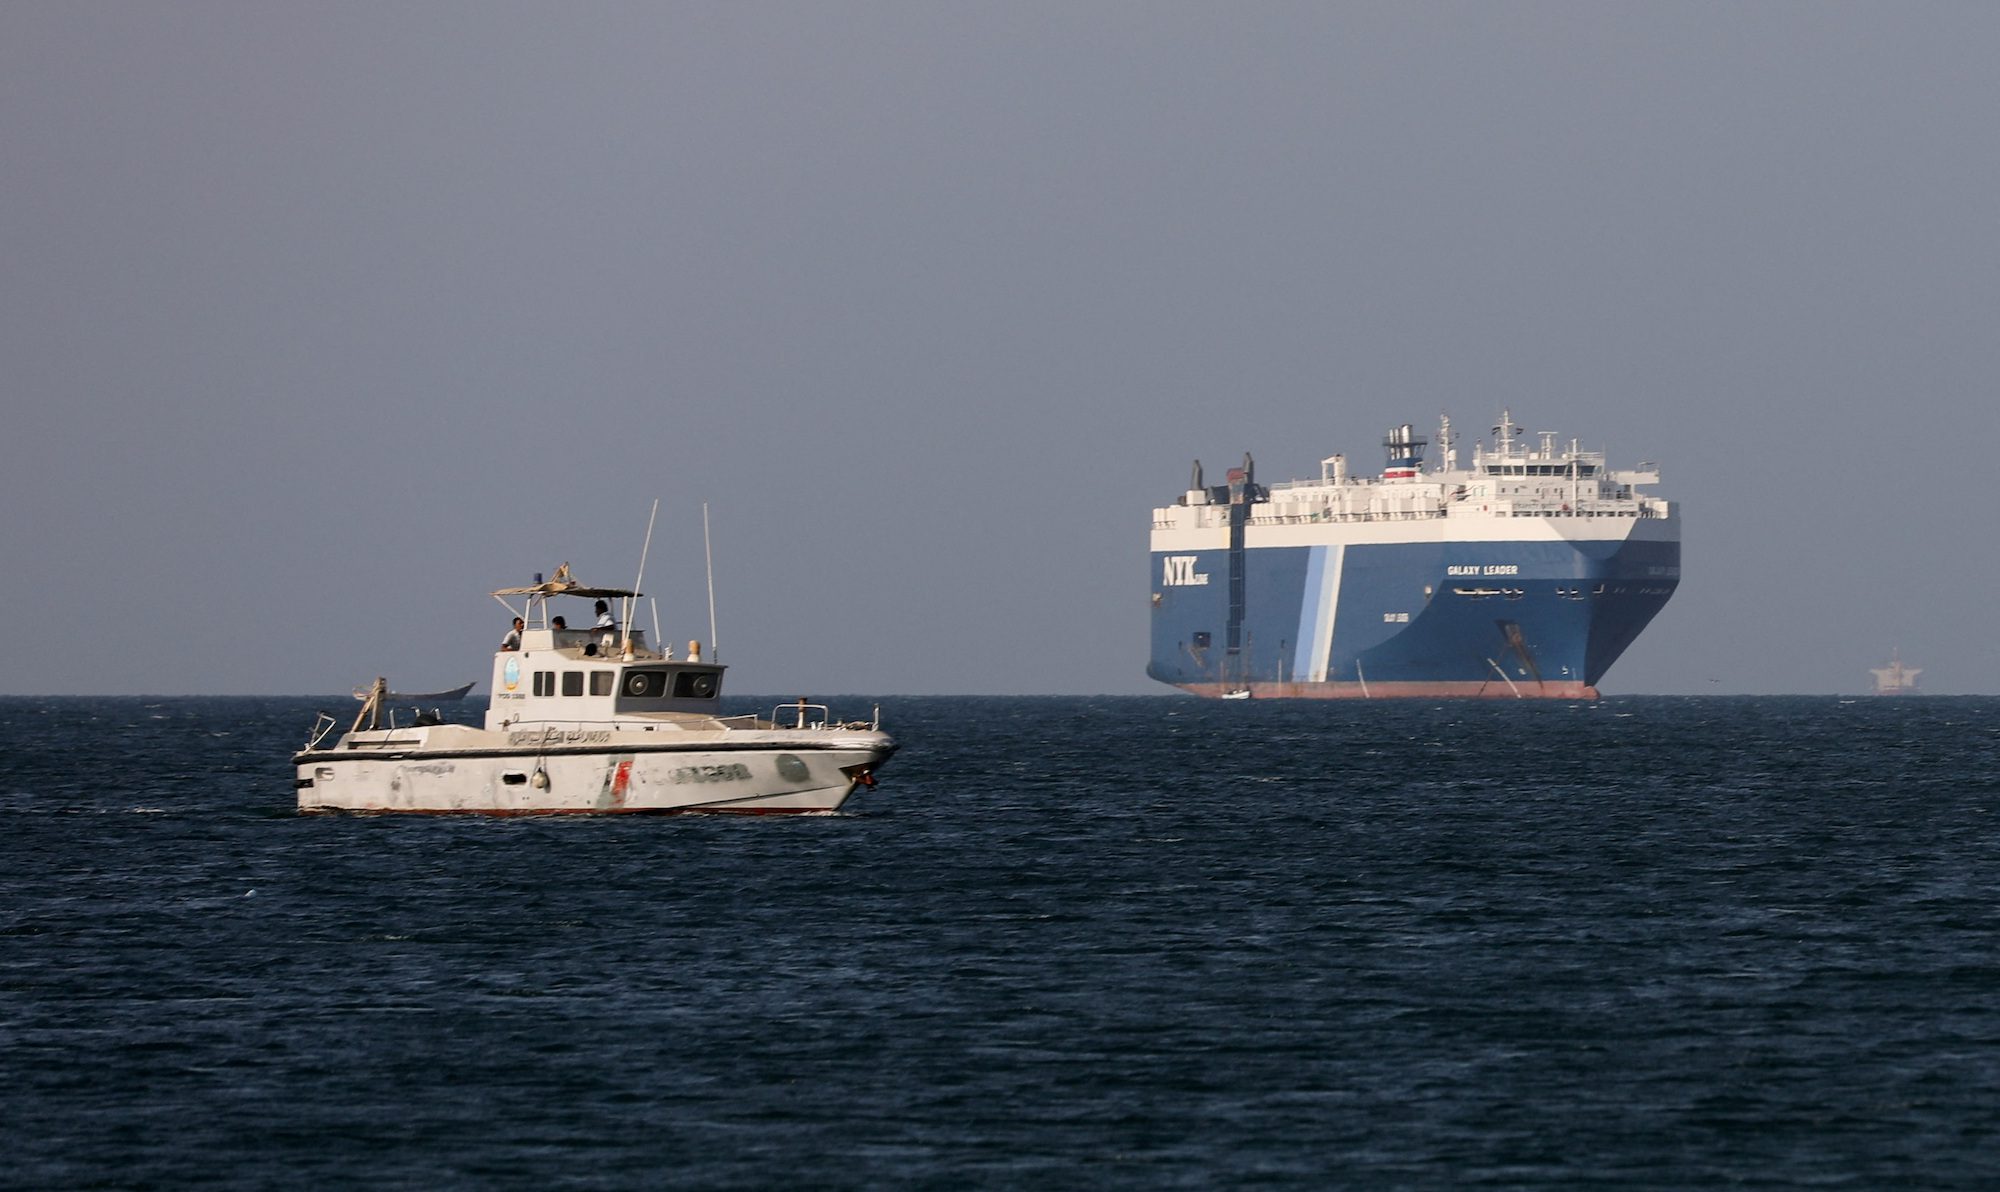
1525 574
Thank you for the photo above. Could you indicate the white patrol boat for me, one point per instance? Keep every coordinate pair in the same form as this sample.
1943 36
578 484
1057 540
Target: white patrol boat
590 720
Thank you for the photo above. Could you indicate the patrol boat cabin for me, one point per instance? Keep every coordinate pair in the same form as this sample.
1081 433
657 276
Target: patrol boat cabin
563 675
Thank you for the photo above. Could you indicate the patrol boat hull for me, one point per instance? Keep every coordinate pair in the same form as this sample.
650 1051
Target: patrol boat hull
456 769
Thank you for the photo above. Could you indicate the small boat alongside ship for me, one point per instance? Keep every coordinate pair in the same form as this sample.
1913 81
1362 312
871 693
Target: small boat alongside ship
422 697
590 720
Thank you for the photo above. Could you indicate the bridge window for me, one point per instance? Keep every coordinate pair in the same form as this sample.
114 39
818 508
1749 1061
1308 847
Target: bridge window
600 682
695 685
545 682
572 682
645 684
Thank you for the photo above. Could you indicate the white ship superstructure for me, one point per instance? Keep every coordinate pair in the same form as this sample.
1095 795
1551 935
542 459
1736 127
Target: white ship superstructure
1895 678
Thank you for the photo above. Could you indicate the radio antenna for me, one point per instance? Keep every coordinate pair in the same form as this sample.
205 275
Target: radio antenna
629 610
708 555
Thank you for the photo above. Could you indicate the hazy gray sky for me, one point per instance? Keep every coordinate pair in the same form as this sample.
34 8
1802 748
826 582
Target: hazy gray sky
322 321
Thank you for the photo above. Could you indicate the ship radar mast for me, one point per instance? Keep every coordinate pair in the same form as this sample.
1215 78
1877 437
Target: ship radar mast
1447 452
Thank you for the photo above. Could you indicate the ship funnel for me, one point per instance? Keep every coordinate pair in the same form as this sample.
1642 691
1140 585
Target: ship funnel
1195 482
1243 488
1406 452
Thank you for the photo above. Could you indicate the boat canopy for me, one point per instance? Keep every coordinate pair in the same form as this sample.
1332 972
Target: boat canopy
555 589
565 584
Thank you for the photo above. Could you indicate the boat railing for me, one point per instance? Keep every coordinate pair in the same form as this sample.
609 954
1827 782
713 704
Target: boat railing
800 715
322 728
600 642
1301 519
388 739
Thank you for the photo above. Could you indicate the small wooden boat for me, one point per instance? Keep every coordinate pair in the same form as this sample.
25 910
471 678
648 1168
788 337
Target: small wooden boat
421 697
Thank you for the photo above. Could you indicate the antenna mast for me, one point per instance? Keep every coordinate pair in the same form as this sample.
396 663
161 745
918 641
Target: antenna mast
708 556
629 610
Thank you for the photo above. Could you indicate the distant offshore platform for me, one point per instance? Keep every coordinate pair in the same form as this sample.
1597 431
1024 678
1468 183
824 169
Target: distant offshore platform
1895 678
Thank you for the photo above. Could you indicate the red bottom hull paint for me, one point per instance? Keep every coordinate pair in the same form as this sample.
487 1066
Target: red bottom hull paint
512 813
1496 689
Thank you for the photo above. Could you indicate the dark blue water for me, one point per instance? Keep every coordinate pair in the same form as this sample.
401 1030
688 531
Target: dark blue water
1069 942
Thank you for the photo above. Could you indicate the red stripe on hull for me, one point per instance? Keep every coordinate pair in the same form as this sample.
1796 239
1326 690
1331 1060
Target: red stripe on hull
1495 689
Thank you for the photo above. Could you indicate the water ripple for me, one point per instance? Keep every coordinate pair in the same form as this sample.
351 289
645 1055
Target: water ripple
1129 942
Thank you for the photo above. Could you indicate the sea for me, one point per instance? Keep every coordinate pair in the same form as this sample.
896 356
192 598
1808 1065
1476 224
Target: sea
1134 942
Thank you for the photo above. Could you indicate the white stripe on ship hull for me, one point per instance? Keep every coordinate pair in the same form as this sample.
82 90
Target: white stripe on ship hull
1316 612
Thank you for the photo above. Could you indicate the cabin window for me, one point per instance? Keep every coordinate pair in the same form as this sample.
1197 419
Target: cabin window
600 682
1201 641
545 682
695 685
572 682
645 684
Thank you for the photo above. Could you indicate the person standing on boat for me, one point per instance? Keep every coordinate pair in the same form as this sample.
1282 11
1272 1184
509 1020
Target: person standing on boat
604 620
513 639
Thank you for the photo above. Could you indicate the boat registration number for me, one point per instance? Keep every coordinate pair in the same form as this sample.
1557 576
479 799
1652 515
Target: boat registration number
727 772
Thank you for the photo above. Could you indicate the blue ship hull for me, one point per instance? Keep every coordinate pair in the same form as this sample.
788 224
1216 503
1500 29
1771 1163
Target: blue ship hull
1529 618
